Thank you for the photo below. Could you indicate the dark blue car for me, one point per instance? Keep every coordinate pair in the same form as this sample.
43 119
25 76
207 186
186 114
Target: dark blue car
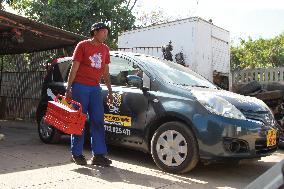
173 113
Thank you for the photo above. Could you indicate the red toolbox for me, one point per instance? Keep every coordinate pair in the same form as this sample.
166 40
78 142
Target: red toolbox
66 119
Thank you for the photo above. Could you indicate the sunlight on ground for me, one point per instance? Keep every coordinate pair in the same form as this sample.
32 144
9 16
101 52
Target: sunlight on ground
276 157
160 174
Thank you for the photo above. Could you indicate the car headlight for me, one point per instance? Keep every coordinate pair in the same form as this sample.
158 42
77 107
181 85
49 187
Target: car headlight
218 105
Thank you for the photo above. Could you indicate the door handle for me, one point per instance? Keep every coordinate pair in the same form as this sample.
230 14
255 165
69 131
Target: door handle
155 100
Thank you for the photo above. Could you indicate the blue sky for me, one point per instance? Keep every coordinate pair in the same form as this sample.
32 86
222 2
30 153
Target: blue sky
243 18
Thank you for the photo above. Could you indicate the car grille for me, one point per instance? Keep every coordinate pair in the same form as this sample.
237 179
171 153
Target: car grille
268 120
265 117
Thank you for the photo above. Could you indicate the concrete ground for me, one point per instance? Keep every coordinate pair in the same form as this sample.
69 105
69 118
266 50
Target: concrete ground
26 162
2 136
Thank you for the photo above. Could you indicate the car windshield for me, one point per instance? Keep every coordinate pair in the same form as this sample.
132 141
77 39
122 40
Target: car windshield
176 74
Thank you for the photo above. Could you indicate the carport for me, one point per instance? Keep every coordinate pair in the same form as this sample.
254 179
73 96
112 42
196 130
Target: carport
26 47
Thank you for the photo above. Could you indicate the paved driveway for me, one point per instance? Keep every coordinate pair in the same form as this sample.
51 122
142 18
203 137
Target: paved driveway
25 162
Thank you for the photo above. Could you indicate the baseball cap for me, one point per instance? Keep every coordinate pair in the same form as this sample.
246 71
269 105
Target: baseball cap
99 25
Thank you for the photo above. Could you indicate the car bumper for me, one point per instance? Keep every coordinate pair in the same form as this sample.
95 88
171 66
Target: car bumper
220 137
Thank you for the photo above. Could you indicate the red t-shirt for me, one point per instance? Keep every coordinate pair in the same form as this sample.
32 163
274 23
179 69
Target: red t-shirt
93 59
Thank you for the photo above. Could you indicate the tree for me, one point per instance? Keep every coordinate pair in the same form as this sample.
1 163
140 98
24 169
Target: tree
167 54
261 53
153 17
78 15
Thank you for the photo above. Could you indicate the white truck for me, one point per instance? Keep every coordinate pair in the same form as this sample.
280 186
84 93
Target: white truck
205 47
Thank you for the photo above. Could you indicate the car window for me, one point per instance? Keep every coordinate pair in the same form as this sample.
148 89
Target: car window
61 71
125 73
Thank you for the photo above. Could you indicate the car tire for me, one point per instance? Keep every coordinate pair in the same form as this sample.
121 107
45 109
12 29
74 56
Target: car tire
274 86
47 133
179 155
250 88
281 144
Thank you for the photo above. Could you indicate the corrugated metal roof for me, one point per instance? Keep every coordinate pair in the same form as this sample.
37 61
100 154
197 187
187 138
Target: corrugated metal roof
36 36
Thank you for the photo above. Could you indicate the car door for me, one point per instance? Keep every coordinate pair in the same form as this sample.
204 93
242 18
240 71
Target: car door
125 118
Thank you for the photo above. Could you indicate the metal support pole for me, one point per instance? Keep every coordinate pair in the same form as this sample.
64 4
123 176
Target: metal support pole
2 100
1 71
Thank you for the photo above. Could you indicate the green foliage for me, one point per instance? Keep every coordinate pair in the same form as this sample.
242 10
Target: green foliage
153 17
261 53
78 15
36 61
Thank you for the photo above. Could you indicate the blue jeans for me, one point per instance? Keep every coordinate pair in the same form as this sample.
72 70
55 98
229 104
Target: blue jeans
91 100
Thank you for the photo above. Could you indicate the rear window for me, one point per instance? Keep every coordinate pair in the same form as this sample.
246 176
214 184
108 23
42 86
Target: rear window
61 71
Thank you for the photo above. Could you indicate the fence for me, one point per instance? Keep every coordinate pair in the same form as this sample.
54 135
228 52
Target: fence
20 93
21 80
262 75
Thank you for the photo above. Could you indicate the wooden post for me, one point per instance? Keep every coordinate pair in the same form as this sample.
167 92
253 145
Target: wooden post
281 75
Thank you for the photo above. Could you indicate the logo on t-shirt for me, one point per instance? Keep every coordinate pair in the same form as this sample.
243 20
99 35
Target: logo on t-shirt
96 60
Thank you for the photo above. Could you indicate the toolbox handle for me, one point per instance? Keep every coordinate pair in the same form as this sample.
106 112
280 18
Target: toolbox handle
69 101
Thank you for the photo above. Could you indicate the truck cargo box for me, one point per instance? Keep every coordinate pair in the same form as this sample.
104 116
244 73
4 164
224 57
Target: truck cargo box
205 47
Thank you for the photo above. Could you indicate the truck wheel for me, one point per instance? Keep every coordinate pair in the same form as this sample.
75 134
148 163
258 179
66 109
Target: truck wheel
47 133
174 148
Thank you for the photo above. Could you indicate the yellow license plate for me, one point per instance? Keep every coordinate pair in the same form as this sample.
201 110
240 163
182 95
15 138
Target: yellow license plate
271 138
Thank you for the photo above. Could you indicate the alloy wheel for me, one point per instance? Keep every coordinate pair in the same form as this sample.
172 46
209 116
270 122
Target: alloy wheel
171 148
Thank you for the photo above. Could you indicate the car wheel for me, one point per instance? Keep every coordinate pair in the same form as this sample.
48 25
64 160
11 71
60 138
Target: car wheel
174 148
47 133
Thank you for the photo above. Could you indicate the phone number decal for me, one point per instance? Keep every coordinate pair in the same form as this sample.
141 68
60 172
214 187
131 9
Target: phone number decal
117 130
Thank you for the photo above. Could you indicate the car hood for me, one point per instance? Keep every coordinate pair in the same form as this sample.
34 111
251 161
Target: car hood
243 103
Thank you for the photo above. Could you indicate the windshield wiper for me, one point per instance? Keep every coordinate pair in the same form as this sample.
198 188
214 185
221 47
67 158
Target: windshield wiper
187 85
201 86
182 84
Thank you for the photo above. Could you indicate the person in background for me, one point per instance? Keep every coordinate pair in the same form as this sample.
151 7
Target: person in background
91 60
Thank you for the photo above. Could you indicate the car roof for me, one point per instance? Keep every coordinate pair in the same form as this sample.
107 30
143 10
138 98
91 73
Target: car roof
112 53
123 54
63 59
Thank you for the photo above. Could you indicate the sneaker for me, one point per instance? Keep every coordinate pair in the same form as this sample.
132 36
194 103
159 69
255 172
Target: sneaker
79 160
100 160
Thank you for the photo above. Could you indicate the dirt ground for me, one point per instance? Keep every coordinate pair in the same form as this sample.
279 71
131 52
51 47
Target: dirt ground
26 162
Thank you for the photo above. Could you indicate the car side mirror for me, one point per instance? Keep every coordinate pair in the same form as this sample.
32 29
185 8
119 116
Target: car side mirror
134 81
145 89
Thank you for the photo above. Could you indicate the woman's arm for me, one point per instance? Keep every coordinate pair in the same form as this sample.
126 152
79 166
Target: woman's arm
71 77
